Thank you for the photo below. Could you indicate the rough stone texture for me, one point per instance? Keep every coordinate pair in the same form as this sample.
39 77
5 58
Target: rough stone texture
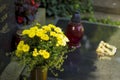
7 30
12 71
107 3
105 8
109 6
83 63
41 16
103 15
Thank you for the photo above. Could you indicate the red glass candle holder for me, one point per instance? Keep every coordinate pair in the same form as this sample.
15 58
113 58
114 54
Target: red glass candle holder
74 33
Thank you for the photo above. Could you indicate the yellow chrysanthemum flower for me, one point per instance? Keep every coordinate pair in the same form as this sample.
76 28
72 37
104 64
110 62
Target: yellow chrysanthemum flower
52 26
20 45
63 43
35 28
35 53
59 42
47 28
25 32
45 37
53 34
57 29
66 39
59 36
62 40
21 42
26 48
31 34
40 32
43 31
41 52
44 53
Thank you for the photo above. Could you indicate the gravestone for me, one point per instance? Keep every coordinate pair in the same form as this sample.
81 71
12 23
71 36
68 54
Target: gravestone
10 70
107 6
7 30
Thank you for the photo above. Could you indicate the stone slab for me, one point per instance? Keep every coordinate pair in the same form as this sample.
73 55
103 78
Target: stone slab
83 63
12 71
41 16
7 30
107 6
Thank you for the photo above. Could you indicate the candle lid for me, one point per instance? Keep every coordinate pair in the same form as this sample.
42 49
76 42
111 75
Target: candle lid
76 17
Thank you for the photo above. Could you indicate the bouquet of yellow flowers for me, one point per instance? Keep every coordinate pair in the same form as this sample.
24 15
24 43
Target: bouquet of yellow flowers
43 46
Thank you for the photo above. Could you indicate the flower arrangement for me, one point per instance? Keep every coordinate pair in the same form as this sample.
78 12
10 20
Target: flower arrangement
43 46
25 10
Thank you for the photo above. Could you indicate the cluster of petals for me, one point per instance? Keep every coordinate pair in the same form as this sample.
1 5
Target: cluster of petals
47 31
43 53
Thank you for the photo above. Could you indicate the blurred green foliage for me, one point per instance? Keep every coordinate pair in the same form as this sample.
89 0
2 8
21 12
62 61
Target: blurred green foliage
65 8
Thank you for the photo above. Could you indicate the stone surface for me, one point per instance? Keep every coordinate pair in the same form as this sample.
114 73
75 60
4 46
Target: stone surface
41 16
107 3
12 71
51 78
107 8
103 15
7 30
83 63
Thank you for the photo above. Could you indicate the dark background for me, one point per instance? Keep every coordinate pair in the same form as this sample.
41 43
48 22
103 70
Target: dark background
7 31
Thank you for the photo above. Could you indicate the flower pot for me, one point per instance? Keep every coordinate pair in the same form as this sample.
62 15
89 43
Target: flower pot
39 73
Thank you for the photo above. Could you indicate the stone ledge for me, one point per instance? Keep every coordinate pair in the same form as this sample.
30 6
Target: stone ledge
51 78
107 6
107 10
102 15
